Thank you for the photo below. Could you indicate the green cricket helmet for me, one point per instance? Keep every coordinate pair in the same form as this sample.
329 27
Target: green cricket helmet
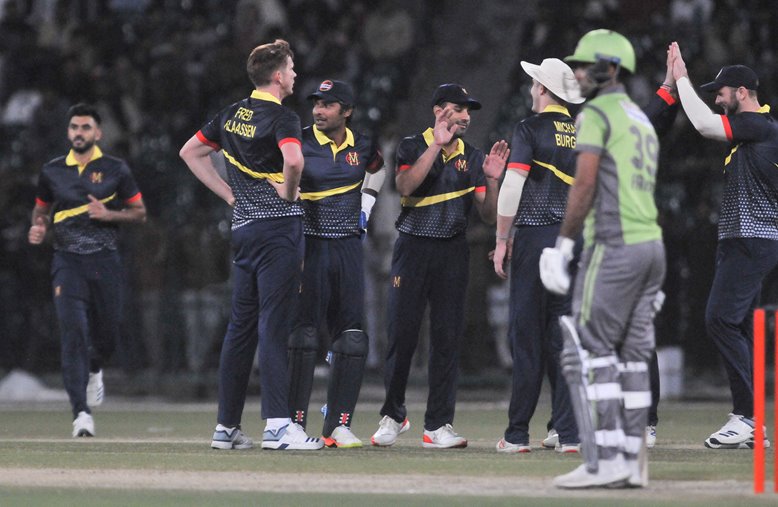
602 44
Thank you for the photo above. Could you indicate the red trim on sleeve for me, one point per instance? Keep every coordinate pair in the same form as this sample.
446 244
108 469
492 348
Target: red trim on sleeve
289 140
666 96
727 127
404 167
41 203
479 190
518 166
207 141
134 198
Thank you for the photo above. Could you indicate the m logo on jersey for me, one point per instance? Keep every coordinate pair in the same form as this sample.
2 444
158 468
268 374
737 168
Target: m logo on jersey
325 86
96 177
352 158
461 165
396 282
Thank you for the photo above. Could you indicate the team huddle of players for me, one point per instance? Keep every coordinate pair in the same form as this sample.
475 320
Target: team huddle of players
576 233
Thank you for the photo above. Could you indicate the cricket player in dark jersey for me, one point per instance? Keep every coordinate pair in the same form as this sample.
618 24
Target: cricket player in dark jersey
533 197
748 228
439 177
83 197
260 140
337 161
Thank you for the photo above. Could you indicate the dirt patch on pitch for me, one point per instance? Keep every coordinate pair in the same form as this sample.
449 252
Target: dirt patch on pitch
447 485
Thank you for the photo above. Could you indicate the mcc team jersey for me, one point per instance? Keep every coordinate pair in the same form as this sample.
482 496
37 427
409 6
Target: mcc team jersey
66 185
250 134
439 207
331 184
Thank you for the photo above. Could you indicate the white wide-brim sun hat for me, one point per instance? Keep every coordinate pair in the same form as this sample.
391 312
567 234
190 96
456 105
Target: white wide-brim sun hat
557 76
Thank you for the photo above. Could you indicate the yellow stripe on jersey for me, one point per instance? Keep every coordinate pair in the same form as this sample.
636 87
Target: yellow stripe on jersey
418 202
559 174
79 210
277 177
321 194
729 157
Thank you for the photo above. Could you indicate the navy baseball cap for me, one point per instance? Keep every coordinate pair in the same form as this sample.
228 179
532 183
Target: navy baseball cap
334 91
456 94
734 76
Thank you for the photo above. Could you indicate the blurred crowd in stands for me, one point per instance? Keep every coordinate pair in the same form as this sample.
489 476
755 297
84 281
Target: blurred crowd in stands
158 69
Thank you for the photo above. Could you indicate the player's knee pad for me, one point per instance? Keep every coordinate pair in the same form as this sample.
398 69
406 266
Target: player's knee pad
635 384
351 342
349 353
304 337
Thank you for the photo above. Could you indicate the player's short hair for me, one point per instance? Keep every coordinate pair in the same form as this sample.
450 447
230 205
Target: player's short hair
555 97
264 60
82 109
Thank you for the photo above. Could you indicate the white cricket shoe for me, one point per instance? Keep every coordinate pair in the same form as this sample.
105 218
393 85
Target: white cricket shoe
737 433
551 440
95 390
509 448
638 473
230 438
443 438
388 431
650 436
83 425
610 473
342 438
290 437
567 448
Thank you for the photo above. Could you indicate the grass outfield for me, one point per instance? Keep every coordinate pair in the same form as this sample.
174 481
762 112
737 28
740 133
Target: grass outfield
158 454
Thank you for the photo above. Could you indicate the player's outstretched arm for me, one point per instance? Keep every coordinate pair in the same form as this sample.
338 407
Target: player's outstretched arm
409 179
705 121
493 167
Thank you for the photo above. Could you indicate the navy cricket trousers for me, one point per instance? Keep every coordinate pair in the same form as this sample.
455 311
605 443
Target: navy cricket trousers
741 266
535 338
435 271
87 298
333 284
267 262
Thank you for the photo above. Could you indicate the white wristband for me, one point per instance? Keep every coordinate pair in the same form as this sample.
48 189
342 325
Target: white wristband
368 201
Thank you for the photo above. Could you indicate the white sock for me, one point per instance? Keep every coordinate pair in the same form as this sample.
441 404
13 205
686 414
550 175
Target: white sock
273 423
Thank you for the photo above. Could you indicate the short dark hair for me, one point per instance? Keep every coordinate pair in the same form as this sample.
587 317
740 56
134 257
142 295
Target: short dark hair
264 60
82 109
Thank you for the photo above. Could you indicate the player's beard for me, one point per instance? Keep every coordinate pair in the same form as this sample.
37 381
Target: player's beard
83 148
460 132
731 107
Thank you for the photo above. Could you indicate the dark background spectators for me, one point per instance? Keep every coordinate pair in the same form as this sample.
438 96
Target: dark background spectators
158 69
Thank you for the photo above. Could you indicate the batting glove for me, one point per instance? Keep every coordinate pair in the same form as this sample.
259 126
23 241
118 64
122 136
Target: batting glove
368 201
657 303
554 266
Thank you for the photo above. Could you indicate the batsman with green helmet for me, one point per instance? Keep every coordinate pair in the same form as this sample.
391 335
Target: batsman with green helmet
622 268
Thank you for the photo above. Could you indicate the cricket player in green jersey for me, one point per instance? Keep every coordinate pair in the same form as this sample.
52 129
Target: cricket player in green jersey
610 337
